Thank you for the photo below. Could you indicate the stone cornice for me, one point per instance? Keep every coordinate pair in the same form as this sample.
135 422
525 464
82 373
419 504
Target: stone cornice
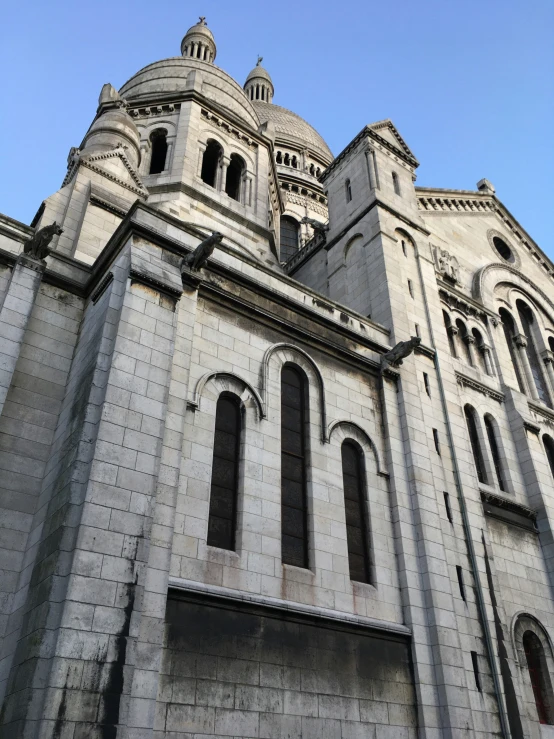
456 300
541 413
508 511
479 276
471 382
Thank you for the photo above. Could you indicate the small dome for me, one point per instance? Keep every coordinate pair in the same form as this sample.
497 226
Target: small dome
113 128
259 85
199 42
290 128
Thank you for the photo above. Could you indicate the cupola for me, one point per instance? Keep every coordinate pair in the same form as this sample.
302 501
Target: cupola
199 42
258 85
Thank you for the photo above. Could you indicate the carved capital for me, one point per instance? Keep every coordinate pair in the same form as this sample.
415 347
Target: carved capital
469 339
452 330
520 340
548 357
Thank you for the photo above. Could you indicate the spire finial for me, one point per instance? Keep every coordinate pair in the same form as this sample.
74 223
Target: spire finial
260 60
202 20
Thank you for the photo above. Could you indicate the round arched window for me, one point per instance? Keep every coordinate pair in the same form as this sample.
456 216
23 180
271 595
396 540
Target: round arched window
503 249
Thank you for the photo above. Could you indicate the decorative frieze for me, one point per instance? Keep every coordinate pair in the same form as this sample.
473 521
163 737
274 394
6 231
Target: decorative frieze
541 414
465 381
455 302
218 122
508 511
153 110
456 204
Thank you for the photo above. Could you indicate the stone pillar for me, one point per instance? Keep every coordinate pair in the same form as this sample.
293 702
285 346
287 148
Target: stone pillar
14 316
487 358
225 161
520 342
548 359
470 343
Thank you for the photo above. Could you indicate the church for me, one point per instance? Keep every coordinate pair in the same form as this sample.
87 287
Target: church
276 434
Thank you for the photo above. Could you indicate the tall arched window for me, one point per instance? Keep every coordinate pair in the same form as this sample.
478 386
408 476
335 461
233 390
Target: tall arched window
448 327
224 485
538 674
348 190
289 238
495 452
294 513
549 448
158 140
509 328
527 322
356 513
235 173
475 443
210 163
279 158
396 183
462 333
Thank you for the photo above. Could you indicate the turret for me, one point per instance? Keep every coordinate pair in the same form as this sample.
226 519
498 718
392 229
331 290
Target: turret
259 85
199 42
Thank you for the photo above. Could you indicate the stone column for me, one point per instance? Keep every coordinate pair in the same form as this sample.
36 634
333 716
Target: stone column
14 316
548 359
470 343
225 161
487 358
520 342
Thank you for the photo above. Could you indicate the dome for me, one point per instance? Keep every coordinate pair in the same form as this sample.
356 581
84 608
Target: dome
176 74
199 42
290 127
111 129
259 85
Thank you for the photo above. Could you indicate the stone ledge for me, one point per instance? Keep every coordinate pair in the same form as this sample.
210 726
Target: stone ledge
340 618
508 511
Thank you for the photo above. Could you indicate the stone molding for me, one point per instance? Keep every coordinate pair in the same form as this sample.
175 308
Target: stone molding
146 112
149 280
89 162
291 607
219 122
358 430
194 402
465 381
97 294
541 413
463 304
491 234
472 204
479 278
508 511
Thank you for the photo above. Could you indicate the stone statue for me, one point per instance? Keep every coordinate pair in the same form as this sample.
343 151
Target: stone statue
37 246
198 258
399 352
318 227
447 265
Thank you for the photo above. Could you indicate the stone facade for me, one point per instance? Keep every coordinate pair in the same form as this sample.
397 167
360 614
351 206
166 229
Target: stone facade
118 617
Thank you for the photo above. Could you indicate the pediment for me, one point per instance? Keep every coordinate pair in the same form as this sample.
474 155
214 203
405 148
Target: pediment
386 130
114 165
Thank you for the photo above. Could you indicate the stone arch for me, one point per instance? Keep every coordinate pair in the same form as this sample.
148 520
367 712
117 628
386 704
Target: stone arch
488 277
524 623
350 243
231 383
346 429
289 353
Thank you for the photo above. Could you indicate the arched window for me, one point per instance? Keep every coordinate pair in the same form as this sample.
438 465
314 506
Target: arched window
491 435
294 513
318 172
509 327
158 140
551 343
294 162
211 162
527 322
356 513
287 159
538 674
312 169
279 158
289 238
549 448
348 191
396 183
235 173
475 444
462 333
448 326
224 485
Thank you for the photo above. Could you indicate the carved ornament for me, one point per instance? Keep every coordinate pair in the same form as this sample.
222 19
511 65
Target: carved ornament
218 122
447 265
465 381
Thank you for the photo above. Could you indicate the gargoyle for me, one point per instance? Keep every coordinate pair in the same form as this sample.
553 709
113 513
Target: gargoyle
399 352
37 246
198 258
318 227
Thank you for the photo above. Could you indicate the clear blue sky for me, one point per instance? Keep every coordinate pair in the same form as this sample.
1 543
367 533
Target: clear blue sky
469 83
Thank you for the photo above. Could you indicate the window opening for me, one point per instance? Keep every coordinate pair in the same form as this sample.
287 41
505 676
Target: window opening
476 674
289 238
224 483
233 179
294 162
527 320
426 383
159 152
348 189
449 332
404 248
396 183
447 506
411 288
462 333
436 440
538 674
509 329
210 163
294 525
287 159
417 332
549 447
279 157
355 510
489 426
503 249
475 445
461 585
